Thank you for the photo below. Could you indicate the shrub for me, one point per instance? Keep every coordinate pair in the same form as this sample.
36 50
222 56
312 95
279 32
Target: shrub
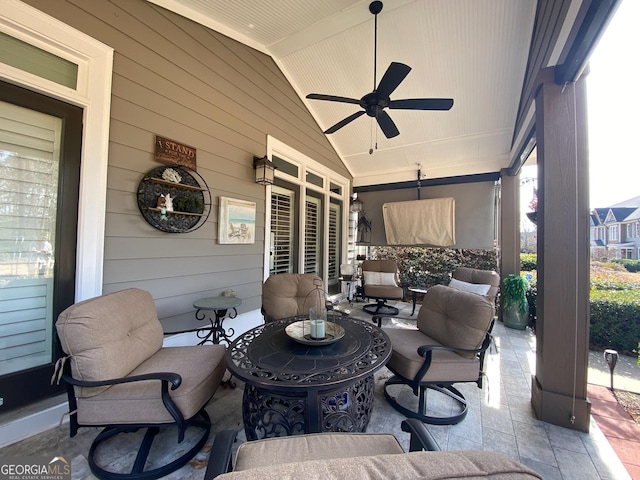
632 266
615 320
528 262
432 266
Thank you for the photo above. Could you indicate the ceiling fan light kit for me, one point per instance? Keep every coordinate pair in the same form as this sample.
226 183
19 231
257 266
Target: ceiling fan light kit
375 103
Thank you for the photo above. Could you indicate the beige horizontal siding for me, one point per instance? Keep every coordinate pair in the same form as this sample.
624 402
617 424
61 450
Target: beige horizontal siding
180 80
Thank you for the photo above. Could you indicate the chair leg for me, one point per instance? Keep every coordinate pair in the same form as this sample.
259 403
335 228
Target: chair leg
200 421
448 390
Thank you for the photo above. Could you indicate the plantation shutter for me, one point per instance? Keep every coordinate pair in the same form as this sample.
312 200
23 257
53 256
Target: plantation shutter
311 236
282 231
334 242
29 148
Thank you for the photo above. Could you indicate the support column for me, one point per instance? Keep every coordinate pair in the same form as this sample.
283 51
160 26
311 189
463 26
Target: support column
509 224
559 386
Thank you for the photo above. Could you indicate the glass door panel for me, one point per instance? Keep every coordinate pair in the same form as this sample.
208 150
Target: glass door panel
29 171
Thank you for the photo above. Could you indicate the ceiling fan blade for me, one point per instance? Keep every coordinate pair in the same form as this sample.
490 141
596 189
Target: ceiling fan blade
392 78
344 122
386 124
332 98
422 104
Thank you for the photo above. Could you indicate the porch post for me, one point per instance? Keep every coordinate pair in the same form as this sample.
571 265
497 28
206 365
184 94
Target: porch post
509 224
559 386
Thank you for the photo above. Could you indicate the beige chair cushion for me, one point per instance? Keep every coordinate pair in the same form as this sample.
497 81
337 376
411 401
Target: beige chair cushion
201 368
289 294
474 275
109 336
446 366
318 446
455 318
470 465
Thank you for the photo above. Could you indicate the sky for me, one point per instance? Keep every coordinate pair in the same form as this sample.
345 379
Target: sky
613 102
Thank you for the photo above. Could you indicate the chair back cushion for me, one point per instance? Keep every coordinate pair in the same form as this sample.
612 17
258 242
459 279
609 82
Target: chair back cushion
109 336
484 277
388 266
469 464
289 294
455 318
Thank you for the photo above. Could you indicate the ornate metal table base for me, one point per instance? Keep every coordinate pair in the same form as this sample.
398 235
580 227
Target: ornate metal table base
216 332
269 414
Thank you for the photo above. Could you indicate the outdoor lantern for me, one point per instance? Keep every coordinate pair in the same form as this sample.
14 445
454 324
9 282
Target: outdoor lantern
611 357
347 271
264 170
357 205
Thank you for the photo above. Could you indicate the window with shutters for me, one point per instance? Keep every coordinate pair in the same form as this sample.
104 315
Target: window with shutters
307 218
312 247
282 231
333 271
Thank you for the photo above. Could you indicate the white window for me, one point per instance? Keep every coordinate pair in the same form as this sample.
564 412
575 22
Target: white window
614 231
307 216
630 227
282 231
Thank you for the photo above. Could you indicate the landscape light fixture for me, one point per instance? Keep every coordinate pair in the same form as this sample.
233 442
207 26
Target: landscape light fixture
611 357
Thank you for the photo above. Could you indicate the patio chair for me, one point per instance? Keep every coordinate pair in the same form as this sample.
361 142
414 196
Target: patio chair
290 294
329 456
447 347
380 282
120 377
482 282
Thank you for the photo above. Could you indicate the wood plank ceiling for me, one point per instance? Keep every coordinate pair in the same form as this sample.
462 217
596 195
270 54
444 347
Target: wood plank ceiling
474 51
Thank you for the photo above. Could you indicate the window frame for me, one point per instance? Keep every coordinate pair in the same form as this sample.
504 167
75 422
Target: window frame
327 194
93 94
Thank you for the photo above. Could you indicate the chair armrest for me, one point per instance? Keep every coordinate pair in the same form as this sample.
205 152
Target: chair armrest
424 350
165 378
173 378
421 438
220 456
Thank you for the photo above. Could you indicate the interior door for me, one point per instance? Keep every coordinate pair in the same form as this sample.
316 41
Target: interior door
40 151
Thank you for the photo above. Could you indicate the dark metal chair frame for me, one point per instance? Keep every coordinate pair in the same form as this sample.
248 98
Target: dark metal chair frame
166 380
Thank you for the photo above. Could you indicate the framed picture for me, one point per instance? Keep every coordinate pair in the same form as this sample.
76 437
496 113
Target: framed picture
237 221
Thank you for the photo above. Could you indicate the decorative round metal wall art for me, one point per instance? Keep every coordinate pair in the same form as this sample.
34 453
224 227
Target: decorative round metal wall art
174 199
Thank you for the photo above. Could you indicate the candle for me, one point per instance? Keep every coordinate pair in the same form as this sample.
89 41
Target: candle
317 329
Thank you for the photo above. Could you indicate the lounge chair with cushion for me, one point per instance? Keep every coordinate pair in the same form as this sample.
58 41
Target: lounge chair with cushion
482 282
120 377
380 282
332 456
291 294
446 347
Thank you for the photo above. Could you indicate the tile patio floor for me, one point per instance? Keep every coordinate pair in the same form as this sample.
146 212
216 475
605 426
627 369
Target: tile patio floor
500 419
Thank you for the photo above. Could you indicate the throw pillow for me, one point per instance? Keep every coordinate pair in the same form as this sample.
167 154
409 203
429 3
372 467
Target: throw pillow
478 288
379 278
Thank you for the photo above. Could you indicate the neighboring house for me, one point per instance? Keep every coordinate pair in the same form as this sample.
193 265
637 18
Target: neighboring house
615 231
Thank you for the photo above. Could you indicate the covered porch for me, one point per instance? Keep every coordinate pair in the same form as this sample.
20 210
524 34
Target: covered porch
500 419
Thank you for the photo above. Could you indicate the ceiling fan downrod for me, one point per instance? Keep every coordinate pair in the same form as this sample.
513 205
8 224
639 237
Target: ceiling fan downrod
375 8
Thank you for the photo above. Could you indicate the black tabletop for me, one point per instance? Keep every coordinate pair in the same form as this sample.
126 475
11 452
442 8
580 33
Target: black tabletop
267 356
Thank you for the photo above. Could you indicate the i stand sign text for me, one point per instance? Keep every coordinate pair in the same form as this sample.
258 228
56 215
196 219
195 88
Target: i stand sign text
173 153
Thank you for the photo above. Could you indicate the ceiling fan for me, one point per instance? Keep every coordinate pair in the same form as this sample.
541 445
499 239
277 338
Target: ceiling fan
374 103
